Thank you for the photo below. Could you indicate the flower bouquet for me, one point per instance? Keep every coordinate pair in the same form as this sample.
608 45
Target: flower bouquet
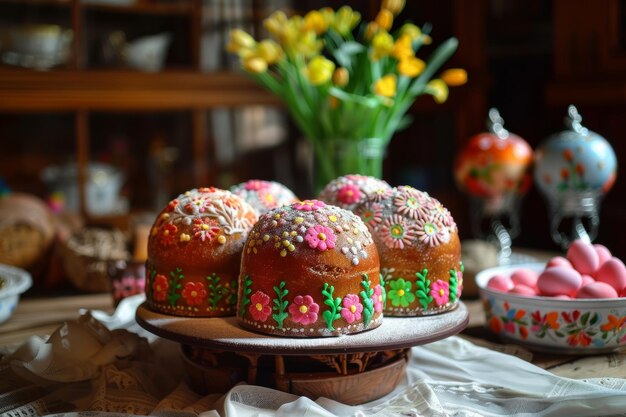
347 84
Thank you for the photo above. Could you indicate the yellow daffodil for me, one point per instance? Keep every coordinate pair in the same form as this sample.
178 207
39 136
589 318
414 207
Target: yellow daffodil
269 51
384 19
341 77
307 44
411 67
240 41
438 89
370 30
315 21
329 16
386 86
454 77
275 23
255 64
382 45
426 39
411 30
402 48
319 70
394 6
345 20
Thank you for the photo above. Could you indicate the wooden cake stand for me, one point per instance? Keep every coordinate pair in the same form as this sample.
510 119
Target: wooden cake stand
352 369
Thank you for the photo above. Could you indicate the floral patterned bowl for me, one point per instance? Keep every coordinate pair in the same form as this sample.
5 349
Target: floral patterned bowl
13 282
552 325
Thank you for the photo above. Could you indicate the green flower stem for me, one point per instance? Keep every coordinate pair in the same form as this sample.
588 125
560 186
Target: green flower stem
436 60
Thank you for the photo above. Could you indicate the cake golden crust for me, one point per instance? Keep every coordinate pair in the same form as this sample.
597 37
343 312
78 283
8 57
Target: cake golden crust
419 249
310 270
194 252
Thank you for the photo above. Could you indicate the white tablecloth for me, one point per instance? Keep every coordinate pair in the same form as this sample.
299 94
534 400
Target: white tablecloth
110 365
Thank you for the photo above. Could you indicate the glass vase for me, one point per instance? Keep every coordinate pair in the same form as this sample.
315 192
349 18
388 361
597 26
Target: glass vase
336 157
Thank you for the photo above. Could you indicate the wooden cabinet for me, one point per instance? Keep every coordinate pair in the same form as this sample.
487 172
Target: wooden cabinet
82 103
84 89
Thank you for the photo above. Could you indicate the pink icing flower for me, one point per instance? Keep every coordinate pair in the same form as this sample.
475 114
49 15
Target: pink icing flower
203 229
268 199
320 237
440 291
349 194
397 232
379 194
441 214
255 185
127 286
194 293
377 298
370 214
198 204
309 205
259 306
352 308
432 232
304 310
410 205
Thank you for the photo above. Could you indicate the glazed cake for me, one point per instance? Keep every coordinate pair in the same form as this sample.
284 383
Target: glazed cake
419 249
264 195
310 270
348 191
194 251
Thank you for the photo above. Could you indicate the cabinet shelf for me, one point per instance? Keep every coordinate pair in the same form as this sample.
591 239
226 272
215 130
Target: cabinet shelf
183 8
139 7
108 90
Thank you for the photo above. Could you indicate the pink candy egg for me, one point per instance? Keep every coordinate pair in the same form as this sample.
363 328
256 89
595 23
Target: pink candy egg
525 277
562 297
521 289
559 261
587 279
612 272
604 254
623 293
596 290
559 280
583 257
500 283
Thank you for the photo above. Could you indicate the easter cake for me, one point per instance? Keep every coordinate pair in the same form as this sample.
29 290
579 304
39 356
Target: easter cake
194 251
419 249
309 270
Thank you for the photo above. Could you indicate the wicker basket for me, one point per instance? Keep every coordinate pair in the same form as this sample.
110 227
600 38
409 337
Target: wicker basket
26 231
87 255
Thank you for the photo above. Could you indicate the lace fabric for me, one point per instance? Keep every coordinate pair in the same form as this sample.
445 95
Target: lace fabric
104 365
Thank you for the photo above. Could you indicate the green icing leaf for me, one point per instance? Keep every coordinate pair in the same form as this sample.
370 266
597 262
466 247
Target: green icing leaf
245 295
333 313
368 303
216 290
280 305
173 295
423 289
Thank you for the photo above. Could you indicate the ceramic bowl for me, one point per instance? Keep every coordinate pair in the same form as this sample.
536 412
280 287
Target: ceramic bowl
13 282
552 325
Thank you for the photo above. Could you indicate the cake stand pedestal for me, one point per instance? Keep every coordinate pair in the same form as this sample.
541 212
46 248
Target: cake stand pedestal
352 369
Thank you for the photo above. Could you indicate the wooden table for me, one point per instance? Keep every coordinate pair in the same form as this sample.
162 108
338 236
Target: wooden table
41 316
